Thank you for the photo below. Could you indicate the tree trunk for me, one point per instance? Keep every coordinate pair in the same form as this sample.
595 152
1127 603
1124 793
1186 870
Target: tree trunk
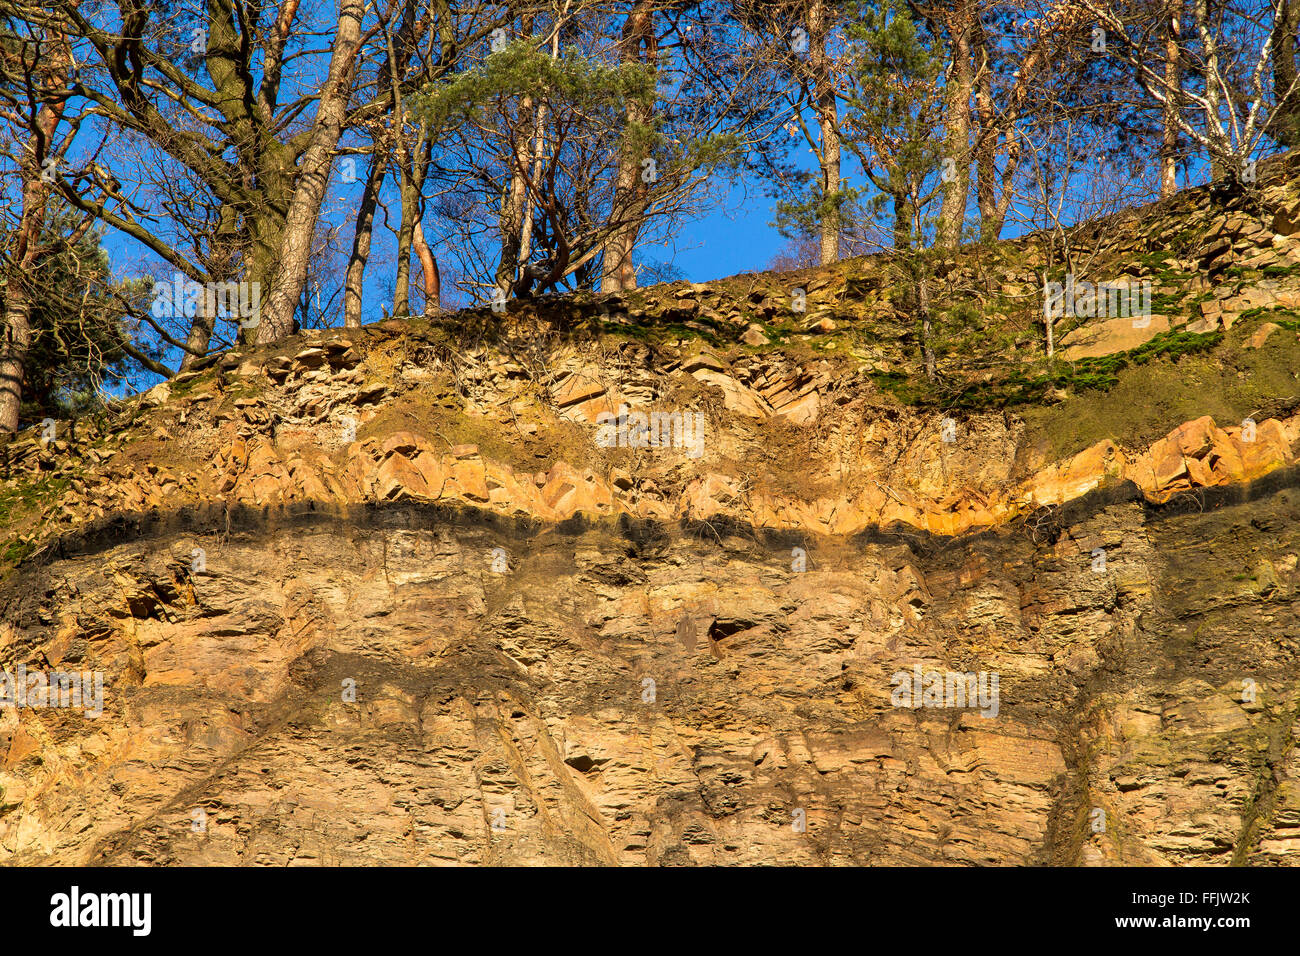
221 265
13 353
411 169
510 221
429 270
539 150
986 140
1173 102
356 275
196 343
16 336
829 129
313 177
1284 125
405 238
266 218
410 163
1219 150
1049 322
902 222
618 271
957 96
923 305
265 164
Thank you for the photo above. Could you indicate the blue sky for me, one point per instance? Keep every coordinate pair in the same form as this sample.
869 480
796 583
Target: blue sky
734 238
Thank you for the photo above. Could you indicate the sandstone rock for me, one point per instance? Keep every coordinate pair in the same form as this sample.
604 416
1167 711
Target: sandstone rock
310 358
468 480
801 410
771 590
703 360
156 396
370 394
1260 335
577 387
1109 336
397 478
736 397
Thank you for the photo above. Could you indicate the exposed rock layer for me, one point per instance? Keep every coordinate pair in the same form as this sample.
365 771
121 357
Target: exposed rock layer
381 596
520 699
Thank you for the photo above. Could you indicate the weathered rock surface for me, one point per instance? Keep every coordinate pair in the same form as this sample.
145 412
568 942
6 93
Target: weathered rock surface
522 699
384 596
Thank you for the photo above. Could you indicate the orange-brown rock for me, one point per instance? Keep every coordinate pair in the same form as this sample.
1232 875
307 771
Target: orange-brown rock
363 598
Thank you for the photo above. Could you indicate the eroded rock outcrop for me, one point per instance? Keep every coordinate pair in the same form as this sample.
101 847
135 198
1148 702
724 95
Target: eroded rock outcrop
390 595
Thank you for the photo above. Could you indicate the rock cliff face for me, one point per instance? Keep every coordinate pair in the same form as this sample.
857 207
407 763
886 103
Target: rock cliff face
418 593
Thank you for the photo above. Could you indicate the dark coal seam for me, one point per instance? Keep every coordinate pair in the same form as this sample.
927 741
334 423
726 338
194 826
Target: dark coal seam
218 518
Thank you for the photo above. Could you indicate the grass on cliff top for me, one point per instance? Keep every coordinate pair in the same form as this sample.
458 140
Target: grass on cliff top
20 507
1146 400
1009 388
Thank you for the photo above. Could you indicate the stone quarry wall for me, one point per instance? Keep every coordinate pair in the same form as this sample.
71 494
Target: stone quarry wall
386 595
